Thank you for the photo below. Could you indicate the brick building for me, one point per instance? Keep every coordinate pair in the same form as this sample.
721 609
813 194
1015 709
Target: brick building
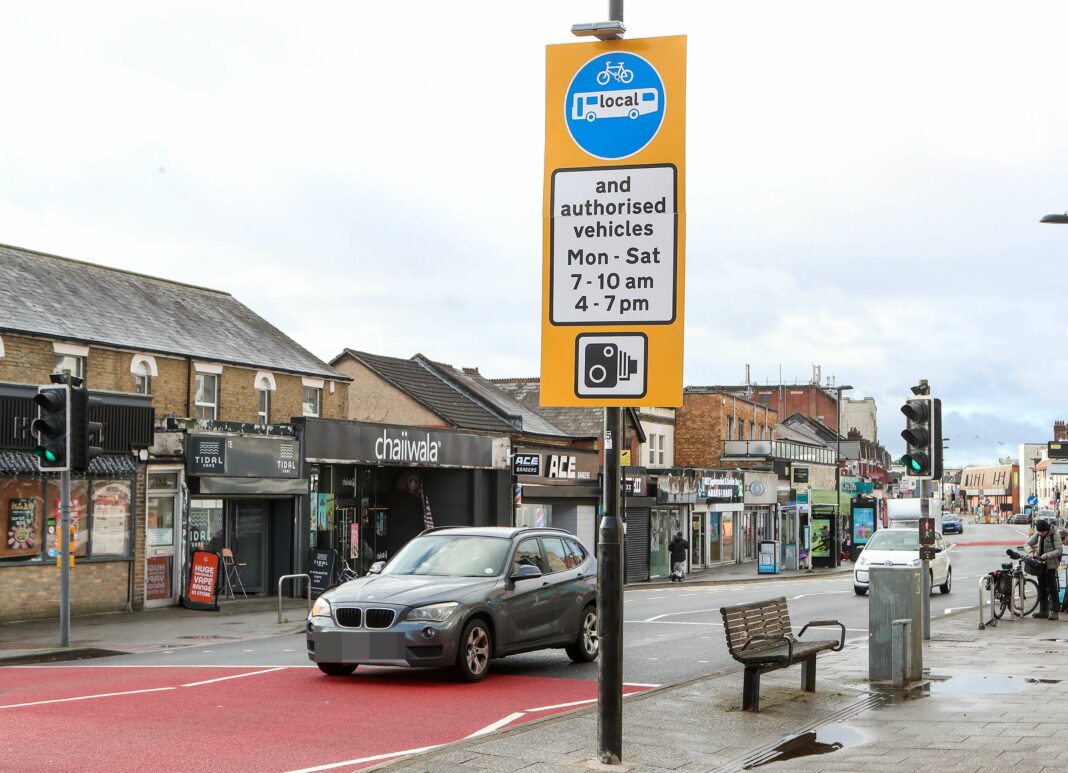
208 373
709 417
811 400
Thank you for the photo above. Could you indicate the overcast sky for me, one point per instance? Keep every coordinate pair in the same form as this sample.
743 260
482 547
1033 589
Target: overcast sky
369 175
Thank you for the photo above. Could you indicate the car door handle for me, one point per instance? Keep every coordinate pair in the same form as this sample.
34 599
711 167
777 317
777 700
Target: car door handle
580 576
544 584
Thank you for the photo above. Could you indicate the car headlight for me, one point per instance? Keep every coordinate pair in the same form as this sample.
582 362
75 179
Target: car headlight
321 608
433 613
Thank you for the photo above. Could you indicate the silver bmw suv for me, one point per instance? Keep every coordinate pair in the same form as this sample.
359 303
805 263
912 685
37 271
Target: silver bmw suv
457 597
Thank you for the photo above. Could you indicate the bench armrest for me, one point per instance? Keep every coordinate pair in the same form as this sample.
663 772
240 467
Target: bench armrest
782 639
821 623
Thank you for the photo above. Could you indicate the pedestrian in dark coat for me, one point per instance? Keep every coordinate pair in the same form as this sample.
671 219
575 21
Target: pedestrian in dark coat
1046 546
679 547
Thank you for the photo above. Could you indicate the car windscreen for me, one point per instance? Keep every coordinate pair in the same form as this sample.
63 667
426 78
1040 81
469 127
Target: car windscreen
948 517
894 540
451 555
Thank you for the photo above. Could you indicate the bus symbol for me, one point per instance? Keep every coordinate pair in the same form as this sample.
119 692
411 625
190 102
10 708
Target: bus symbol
592 105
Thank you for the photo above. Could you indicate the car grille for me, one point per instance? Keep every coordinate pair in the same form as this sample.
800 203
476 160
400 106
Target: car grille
379 618
348 617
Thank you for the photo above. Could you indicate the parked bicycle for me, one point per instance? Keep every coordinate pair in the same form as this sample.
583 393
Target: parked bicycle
345 573
1013 591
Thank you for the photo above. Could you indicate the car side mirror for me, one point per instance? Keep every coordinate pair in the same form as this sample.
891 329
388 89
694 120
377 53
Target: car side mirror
525 572
376 567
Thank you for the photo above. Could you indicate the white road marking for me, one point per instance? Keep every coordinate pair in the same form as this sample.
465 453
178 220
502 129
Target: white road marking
375 758
821 593
85 697
638 684
234 676
956 609
567 705
497 725
684 612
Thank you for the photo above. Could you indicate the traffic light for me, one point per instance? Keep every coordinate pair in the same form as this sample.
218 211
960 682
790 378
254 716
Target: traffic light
83 433
923 437
52 428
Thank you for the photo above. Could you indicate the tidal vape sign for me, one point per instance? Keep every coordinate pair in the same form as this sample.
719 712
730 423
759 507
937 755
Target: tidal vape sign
243 456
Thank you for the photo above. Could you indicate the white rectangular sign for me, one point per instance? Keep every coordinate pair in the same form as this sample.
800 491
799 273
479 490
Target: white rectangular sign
614 246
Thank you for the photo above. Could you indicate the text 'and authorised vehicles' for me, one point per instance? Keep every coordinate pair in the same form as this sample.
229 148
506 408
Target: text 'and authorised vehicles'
901 547
459 597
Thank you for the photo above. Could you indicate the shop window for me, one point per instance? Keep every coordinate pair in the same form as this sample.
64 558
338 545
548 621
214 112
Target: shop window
69 363
206 524
110 520
79 516
207 396
21 518
313 397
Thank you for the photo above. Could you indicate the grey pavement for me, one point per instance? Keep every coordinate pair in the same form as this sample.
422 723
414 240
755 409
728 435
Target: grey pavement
150 630
991 700
731 573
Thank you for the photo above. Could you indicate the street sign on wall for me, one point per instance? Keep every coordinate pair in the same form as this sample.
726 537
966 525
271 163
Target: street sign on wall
614 223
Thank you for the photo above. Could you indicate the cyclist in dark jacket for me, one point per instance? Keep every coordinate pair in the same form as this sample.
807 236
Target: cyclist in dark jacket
1045 545
678 548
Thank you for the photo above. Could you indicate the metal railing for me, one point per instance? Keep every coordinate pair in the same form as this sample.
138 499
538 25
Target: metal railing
285 577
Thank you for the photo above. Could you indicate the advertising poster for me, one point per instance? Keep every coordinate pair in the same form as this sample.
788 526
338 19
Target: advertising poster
863 524
203 581
111 506
22 525
158 578
821 537
354 539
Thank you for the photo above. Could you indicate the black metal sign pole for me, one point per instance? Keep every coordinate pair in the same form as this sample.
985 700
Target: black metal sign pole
610 600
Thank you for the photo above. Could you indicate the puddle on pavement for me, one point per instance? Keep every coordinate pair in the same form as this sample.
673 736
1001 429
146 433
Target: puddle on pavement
823 740
960 684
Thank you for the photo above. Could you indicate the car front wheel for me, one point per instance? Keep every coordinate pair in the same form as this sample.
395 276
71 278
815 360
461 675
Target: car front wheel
337 669
587 646
473 657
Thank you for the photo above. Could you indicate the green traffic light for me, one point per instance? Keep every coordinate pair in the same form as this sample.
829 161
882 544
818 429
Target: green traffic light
915 465
43 453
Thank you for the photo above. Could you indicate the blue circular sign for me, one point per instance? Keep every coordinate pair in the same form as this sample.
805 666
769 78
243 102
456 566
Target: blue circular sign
615 105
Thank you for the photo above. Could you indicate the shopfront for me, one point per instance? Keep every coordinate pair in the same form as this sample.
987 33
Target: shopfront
245 495
376 486
759 515
104 528
718 504
558 488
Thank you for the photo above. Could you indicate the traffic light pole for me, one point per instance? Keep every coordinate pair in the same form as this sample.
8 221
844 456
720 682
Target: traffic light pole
64 559
610 600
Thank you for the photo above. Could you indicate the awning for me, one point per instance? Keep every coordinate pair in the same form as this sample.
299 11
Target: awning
106 466
254 487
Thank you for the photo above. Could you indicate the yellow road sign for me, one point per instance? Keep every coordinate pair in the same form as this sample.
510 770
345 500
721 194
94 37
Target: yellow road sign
614 218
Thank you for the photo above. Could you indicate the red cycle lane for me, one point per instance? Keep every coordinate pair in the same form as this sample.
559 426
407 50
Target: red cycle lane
255 718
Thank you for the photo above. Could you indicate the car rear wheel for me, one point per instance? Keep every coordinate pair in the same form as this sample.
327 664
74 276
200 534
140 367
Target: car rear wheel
472 660
860 591
587 646
337 669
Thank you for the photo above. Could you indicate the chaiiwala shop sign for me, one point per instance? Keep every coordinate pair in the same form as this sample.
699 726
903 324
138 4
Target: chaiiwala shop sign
327 440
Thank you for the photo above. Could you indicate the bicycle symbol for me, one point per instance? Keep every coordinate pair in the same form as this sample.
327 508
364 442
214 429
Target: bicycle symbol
617 71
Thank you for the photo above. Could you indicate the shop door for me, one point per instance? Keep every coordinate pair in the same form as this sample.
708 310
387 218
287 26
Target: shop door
250 544
727 536
162 569
748 537
715 553
659 538
697 540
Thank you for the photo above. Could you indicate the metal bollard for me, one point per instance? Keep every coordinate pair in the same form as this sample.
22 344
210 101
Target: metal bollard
282 579
985 584
901 652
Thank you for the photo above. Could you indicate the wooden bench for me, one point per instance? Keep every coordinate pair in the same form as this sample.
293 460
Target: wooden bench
759 637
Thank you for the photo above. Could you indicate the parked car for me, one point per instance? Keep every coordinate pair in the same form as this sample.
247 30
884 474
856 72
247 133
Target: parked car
1020 518
952 522
901 547
458 597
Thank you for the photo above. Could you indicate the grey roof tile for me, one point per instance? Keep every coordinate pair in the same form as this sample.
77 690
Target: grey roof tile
582 422
421 382
119 308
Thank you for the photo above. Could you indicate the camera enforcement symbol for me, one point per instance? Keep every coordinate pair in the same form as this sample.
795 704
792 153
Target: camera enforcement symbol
611 365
